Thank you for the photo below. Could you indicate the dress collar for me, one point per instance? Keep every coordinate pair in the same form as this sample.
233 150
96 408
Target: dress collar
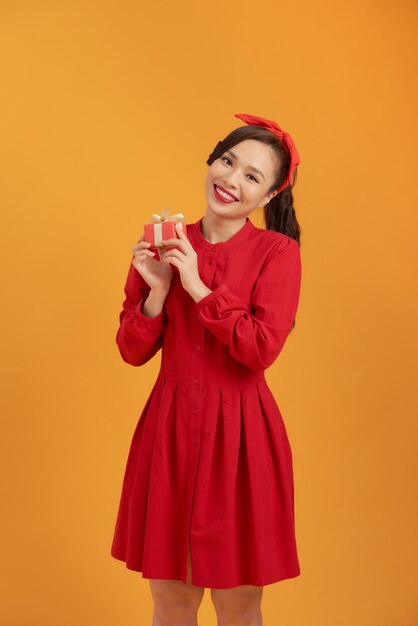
244 232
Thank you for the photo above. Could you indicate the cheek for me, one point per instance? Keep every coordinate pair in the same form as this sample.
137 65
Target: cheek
253 193
215 170
208 180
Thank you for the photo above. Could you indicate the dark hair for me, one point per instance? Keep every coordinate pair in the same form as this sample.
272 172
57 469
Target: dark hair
279 214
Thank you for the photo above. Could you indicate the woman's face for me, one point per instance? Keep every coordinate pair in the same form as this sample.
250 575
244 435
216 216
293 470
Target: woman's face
234 173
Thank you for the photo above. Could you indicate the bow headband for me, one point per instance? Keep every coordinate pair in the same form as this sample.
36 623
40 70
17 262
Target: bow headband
284 137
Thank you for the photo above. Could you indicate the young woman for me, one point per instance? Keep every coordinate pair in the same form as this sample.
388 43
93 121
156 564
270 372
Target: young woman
207 497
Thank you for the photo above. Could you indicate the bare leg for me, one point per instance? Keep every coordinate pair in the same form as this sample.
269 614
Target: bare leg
239 606
176 603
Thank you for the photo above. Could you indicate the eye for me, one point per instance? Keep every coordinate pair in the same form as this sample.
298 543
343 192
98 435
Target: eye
224 158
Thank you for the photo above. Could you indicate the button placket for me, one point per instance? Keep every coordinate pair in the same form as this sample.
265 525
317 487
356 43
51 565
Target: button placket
196 387
211 254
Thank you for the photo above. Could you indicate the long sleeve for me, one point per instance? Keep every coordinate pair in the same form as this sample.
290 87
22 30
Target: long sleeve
256 337
139 337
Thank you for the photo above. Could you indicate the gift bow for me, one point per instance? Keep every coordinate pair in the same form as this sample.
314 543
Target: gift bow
155 218
158 220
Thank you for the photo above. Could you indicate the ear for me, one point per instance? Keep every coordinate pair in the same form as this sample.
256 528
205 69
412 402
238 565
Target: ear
268 198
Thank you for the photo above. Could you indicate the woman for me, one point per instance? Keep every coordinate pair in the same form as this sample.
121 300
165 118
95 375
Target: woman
207 497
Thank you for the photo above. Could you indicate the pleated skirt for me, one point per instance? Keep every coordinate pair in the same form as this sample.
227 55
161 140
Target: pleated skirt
217 476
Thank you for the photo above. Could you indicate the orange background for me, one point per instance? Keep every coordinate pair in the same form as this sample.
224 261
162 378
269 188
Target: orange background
108 114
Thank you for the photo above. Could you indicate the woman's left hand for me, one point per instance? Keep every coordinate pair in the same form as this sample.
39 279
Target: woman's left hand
184 259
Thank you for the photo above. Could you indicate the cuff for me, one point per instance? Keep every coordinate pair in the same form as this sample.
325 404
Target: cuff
211 296
151 322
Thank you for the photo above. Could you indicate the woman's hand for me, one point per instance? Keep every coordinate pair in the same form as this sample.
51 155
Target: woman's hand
185 260
158 275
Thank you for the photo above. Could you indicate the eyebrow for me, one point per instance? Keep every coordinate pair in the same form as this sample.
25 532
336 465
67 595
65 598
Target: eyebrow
251 167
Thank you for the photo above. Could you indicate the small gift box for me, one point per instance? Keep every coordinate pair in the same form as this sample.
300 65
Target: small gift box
162 227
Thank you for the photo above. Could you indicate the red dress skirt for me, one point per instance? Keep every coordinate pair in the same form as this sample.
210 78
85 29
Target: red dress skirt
210 462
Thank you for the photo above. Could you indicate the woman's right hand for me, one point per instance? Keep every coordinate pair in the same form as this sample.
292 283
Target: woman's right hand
157 274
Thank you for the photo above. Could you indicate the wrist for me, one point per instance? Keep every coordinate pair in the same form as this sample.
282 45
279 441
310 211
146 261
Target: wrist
160 291
199 292
154 303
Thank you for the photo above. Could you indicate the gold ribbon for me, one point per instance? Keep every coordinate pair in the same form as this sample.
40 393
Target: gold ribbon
155 218
157 221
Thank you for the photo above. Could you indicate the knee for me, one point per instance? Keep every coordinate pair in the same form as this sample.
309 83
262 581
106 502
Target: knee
174 608
238 614
236 608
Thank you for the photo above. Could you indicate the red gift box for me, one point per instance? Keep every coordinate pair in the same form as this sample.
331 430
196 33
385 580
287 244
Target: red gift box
163 227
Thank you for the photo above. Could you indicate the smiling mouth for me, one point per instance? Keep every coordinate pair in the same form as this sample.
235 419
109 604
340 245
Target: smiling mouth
224 195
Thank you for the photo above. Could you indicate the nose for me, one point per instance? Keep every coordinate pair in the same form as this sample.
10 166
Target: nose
230 181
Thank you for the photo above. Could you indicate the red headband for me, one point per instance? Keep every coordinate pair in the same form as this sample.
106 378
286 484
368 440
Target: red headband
284 137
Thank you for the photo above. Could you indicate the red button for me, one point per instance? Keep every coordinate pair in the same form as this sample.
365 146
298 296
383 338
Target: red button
197 347
194 440
198 317
194 410
195 380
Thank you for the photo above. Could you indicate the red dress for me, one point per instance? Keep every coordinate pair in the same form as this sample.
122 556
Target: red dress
210 459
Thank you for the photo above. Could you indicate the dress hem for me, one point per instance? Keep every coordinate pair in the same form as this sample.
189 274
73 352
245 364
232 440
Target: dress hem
214 584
